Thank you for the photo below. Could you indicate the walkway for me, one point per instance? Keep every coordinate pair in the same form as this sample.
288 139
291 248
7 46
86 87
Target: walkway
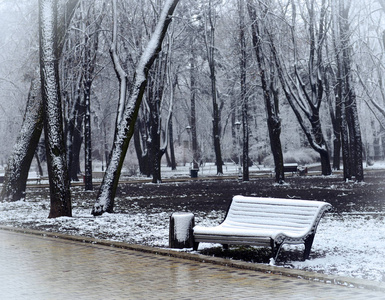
37 267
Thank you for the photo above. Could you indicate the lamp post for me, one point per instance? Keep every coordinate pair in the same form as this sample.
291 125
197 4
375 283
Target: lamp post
188 128
238 125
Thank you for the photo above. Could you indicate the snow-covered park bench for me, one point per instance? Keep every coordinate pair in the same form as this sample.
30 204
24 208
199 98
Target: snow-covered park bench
266 222
290 168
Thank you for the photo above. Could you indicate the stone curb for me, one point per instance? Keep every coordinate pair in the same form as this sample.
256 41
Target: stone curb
300 274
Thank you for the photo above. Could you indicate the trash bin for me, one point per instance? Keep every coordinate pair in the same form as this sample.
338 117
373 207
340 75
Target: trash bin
194 173
181 230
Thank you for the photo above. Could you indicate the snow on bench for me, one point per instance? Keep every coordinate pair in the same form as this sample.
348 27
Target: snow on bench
266 222
290 167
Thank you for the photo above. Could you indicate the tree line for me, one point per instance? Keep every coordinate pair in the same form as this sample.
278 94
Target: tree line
216 71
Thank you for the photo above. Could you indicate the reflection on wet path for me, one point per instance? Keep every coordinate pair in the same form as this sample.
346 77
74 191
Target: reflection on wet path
34 267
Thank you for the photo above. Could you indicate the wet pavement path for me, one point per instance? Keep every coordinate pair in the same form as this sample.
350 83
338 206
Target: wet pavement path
37 267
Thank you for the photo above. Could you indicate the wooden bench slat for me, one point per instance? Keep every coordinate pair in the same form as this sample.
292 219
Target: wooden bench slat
276 215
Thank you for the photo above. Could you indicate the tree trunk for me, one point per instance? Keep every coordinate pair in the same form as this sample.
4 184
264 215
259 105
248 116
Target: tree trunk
73 132
193 91
270 94
335 114
351 118
155 89
19 163
87 138
244 98
53 122
141 149
307 97
77 139
171 144
210 48
89 61
125 130
357 141
274 126
154 149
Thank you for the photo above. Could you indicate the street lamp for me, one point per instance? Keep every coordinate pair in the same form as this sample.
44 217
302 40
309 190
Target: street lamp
238 125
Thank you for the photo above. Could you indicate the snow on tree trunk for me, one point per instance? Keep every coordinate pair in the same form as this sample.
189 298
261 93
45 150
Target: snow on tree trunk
87 138
125 129
20 161
89 61
23 151
53 123
120 73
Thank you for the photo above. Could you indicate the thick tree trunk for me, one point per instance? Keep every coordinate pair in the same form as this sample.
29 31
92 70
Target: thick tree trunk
274 126
125 130
19 163
355 141
156 85
322 148
53 122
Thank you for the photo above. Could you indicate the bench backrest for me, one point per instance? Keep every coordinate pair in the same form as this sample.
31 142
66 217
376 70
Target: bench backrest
275 213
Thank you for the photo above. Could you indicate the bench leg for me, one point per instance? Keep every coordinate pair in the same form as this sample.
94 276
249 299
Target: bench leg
276 248
308 243
195 246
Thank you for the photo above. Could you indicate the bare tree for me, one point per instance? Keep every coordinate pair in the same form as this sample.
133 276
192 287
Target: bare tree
210 24
106 195
20 161
53 123
353 164
269 88
303 86
244 97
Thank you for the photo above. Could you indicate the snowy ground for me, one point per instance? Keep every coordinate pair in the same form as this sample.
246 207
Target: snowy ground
348 244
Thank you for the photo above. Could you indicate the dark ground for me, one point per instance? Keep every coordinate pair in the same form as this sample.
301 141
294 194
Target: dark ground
208 195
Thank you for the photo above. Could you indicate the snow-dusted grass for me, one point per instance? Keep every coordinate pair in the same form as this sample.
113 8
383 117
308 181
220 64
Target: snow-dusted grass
351 245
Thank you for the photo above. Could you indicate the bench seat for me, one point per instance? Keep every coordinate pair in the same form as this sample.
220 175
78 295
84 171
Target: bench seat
266 222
